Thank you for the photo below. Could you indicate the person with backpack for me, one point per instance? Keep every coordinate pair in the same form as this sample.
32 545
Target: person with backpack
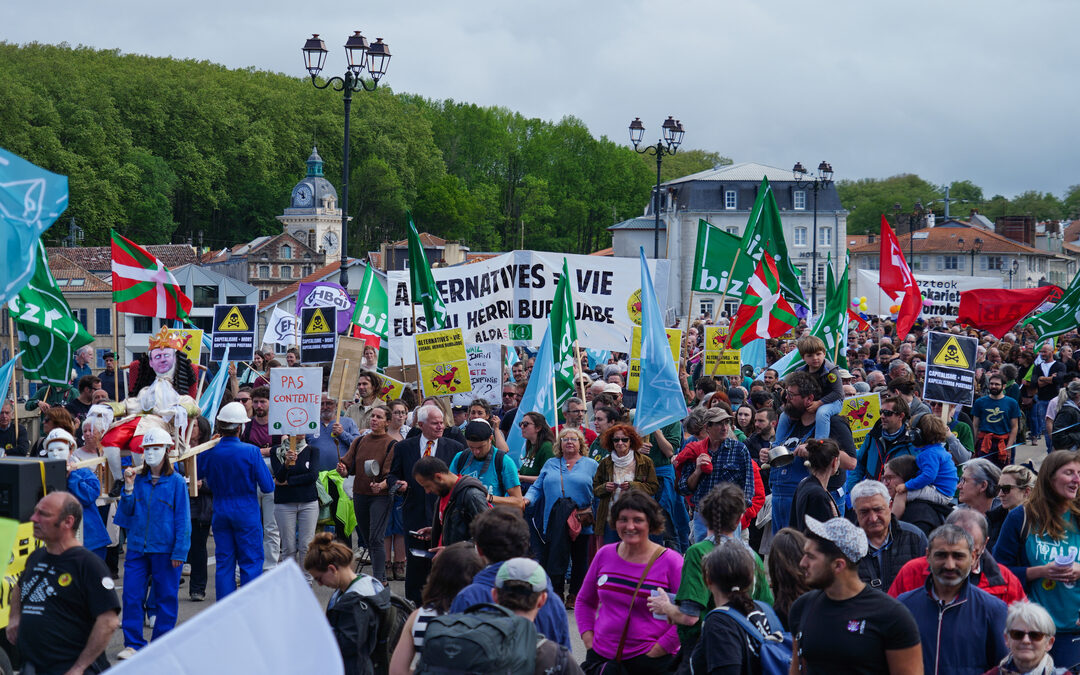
369 459
733 634
521 587
356 607
488 465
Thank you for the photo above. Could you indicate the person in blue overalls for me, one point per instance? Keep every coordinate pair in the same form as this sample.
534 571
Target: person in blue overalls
154 509
235 471
86 487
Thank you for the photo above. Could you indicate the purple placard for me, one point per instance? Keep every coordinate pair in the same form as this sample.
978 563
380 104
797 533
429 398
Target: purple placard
326 294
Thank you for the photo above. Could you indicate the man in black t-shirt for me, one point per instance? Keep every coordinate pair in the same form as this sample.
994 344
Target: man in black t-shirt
64 609
844 626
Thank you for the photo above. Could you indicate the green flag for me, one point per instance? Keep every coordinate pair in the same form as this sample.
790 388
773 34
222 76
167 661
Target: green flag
371 316
831 326
1061 318
49 333
422 285
764 230
563 337
713 258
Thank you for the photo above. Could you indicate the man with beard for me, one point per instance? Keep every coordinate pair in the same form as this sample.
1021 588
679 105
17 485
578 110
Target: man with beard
802 390
995 419
843 625
461 498
889 438
961 625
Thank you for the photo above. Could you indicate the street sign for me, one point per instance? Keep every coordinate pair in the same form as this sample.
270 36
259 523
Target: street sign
950 368
295 397
234 327
318 334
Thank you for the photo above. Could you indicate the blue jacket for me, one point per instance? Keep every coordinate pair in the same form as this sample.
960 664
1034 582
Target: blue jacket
875 453
963 638
87 488
551 621
157 516
936 468
235 471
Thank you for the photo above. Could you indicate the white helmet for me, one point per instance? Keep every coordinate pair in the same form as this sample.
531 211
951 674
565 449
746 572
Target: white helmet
233 413
156 436
60 435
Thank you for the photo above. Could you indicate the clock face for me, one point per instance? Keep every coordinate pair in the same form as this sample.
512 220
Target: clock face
303 195
330 242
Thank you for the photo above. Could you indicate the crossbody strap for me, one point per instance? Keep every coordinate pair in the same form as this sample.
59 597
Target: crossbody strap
633 598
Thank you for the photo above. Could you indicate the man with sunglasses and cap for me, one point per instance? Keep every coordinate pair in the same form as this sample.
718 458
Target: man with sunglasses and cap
887 439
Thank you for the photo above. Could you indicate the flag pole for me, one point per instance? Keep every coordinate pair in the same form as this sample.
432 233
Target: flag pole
419 390
581 383
555 405
14 404
116 353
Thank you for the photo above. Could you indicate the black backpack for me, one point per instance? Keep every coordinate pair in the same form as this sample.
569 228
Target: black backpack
391 624
485 638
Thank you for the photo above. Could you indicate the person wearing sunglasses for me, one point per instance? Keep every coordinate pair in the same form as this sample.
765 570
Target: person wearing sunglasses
889 438
962 627
623 468
1029 635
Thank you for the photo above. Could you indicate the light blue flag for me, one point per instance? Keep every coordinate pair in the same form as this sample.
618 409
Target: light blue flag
660 397
753 354
211 398
539 396
6 371
511 358
31 199
598 357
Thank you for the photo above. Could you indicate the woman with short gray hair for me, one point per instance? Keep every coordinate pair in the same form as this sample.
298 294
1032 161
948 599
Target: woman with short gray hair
978 489
1029 634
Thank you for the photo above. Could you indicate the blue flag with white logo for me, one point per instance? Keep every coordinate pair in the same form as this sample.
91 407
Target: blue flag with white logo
211 398
539 396
31 199
6 371
660 397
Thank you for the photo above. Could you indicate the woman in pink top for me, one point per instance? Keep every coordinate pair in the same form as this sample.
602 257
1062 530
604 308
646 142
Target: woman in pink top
615 622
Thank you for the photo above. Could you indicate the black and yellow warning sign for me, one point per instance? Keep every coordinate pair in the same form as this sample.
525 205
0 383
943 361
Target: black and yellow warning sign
950 368
318 334
234 327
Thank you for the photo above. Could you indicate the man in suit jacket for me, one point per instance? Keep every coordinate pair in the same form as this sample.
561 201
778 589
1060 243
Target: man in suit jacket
419 508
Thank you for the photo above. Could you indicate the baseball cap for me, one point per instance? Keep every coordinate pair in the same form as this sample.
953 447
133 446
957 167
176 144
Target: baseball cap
612 388
716 415
477 430
522 569
847 536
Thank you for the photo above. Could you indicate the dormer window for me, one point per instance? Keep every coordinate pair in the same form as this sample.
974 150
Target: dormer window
286 252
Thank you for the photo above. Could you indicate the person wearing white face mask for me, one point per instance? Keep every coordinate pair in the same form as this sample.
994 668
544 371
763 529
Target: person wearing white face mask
155 510
86 487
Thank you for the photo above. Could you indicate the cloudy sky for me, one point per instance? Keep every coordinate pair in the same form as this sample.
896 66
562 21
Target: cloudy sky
950 90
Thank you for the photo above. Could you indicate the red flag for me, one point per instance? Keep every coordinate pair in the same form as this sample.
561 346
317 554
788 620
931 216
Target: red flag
997 310
142 285
860 323
764 312
895 275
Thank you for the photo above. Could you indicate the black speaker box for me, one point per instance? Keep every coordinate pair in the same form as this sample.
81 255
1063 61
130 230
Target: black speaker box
21 484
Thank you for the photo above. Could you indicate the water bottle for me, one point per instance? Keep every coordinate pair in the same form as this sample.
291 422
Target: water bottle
656 592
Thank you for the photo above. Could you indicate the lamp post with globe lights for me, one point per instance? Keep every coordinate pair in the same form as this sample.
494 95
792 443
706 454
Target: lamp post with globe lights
668 145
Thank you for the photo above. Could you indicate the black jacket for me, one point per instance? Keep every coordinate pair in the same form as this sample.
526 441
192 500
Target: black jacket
419 508
354 618
468 499
1066 434
880 568
8 444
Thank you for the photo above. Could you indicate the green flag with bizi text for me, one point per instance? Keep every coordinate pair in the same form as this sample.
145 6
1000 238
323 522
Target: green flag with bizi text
1061 318
422 284
713 257
563 337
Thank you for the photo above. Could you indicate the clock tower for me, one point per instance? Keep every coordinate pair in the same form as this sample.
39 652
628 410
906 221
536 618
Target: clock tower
313 215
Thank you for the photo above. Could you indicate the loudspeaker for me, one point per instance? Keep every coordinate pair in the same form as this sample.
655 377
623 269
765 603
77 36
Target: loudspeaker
21 484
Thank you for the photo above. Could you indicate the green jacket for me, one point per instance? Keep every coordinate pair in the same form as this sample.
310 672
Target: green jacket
644 480
344 512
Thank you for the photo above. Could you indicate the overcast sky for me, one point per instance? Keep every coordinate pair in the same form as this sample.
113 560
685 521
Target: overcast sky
950 90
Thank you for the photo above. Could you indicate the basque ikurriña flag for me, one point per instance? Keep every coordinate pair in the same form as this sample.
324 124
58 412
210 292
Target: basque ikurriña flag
142 285
764 312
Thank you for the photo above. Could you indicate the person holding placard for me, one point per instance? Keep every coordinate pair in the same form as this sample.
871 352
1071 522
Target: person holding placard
369 459
295 467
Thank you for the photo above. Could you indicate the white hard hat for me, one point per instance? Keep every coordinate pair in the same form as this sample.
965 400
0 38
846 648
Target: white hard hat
233 413
60 435
156 437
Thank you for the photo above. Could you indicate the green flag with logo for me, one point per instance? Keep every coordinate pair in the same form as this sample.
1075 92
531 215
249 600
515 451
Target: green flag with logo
422 284
713 257
1061 318
371 315
765 231
831 325
563 337
49 333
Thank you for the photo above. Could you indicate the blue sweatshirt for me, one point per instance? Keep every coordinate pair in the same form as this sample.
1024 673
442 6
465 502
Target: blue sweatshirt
551 621
936 468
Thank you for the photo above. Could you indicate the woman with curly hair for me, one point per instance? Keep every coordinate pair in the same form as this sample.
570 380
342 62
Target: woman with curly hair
623 468
1039 543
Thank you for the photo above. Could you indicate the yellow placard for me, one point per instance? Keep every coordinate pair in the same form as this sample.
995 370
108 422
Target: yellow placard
390 388
192 338
18 542
233 322
674 336
730 363
862 413
444 365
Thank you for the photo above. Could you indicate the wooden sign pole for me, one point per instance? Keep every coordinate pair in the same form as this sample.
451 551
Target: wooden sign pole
337 412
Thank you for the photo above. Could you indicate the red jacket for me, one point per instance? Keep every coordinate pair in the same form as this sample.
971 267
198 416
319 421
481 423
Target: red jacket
995 579
690 453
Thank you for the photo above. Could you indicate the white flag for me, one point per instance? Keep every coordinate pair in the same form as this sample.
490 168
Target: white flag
283 329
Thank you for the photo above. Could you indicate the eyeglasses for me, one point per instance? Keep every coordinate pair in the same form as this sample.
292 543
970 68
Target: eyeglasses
888 413
620 439
525 424
1033 635
1006 489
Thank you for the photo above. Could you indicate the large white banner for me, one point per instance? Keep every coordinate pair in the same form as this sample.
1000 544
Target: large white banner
942 291
507 299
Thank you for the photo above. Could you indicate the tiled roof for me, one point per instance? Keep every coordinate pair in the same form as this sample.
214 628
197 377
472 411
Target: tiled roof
428 240
291 289
98 259
643 223
945 239
72 278
743 171
604 252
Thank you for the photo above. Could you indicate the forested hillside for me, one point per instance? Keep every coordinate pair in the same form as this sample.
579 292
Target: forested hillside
163 150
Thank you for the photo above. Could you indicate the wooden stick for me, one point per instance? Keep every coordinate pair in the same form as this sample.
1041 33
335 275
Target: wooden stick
555 404
337 414
419 389
14 396
116 353
88 463
202 381
292 449
202 447
581 383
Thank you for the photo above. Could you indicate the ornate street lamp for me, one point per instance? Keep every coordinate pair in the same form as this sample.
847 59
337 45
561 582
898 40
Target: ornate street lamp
673 132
